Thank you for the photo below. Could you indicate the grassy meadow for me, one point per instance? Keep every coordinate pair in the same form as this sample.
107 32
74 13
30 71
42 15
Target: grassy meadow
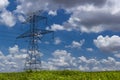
61 75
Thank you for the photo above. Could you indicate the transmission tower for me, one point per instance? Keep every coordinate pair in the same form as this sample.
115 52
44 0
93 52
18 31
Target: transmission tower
34 35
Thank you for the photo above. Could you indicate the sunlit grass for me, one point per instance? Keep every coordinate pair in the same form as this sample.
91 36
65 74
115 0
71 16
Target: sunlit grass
61 75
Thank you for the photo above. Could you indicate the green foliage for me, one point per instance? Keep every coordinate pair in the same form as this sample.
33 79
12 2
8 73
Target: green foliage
61 75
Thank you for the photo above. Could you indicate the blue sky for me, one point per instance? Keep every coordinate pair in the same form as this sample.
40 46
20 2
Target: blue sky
87 34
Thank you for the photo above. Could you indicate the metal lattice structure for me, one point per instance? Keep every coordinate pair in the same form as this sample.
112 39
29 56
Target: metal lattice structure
34 35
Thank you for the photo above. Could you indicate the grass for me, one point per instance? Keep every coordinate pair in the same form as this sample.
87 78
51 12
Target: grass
61 75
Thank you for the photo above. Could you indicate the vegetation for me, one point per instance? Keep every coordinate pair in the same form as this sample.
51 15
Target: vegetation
61 75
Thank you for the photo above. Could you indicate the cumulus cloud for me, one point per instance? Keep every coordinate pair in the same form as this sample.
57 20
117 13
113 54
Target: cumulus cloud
21 18
89 49
12 62
79 2
56 27
60 60
76 44
117 55
14 50
7 18
86 15
57 41
93 19
53 13
64 60
3 4
89 18
26 6
107 43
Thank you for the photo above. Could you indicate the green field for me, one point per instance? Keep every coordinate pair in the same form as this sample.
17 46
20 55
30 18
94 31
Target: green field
61 75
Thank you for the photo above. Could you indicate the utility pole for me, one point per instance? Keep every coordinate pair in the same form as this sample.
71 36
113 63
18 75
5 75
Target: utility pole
34 35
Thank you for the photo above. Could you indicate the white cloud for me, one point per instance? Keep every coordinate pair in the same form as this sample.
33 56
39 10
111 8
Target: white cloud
46 42
25 6
12 62
94 29
117 55
89 49
21 18
56 27
1 54
22 50
14 49
69 4
7 18
57 41
60 53
98 65
107 43
87 16
115 6
76 44
3 4
53 13
95 19
61 60
15 60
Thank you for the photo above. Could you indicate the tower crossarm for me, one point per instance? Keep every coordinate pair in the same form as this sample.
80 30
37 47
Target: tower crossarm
24 35
43 32
36 33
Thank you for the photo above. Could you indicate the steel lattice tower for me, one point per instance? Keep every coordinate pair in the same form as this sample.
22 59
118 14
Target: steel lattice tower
34 35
